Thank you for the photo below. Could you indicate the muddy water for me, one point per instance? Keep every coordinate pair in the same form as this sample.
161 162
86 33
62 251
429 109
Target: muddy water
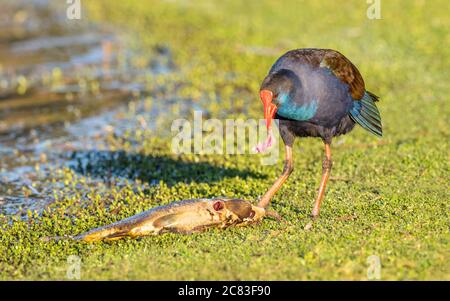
64 86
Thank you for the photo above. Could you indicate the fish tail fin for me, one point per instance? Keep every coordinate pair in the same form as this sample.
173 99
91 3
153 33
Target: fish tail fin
365 113
102 233
117 235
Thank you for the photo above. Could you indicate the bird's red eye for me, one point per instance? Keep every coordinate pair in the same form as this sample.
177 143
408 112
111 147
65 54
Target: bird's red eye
218 206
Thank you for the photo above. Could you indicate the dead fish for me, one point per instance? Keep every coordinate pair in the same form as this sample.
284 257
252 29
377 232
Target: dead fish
186 216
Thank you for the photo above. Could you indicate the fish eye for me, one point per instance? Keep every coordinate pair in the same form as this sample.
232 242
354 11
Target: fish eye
218 206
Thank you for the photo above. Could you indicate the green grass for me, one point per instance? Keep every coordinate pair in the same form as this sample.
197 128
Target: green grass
387 197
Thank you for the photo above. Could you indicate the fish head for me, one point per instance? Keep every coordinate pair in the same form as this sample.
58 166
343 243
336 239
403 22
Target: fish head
237 211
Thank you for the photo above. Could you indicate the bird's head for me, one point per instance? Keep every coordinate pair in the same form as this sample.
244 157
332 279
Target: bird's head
276 90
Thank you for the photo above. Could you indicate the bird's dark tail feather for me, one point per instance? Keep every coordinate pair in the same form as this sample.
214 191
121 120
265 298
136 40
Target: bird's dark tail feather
366 114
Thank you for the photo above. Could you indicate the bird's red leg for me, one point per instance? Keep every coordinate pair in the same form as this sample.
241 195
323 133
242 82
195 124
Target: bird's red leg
287 170
326 169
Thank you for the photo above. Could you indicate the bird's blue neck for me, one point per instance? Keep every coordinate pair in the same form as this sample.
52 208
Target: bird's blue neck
292 110
283 98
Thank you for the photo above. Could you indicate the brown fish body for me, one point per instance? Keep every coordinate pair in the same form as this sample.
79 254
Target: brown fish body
181 217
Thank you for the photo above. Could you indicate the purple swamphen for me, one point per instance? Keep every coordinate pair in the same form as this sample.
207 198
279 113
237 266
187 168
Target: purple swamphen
315 93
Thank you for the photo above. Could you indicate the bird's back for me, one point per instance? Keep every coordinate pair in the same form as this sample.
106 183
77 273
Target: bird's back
320 87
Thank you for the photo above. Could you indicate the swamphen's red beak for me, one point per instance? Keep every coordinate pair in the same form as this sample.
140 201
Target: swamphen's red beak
269 107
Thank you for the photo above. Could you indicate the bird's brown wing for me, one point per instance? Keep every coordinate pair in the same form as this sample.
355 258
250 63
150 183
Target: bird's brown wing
341 66
345 71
